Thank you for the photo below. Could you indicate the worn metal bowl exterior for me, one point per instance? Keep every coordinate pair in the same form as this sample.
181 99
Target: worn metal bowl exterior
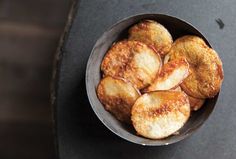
118 31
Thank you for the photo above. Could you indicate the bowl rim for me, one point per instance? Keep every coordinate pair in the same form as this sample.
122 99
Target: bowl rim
180 138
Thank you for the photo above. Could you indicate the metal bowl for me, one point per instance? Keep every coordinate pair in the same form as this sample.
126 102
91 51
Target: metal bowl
119 31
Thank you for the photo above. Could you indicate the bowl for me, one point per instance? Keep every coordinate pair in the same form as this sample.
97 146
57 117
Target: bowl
119 31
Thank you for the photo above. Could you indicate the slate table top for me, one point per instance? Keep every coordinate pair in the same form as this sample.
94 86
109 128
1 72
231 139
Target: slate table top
80 134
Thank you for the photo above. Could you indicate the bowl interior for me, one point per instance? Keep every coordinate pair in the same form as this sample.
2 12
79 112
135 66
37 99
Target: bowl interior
117 32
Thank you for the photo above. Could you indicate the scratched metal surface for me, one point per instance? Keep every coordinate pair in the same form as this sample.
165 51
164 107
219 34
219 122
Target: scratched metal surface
79 132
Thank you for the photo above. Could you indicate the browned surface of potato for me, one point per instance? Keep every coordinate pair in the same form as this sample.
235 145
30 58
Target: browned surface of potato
159 114
153 34
195 103
171 75
132 60
117 96
206 72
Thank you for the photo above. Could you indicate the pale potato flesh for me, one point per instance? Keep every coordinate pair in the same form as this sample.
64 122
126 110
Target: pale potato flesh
159 114
166 58
117 96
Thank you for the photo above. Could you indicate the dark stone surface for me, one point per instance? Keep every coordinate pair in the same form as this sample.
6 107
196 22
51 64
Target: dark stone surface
80 133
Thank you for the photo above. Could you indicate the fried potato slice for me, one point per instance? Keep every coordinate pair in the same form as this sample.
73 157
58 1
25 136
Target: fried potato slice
159 114
171 75
206 71
153 34
118 96
178 88
132 60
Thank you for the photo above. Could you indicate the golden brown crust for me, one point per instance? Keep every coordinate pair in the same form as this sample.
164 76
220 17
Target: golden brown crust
206 72
118 96
178 88
158 114
132 60
195 103
153 34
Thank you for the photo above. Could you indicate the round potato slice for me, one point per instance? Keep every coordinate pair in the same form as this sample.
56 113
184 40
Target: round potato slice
159 114
132 60
153 34
117 96
171 75
206 72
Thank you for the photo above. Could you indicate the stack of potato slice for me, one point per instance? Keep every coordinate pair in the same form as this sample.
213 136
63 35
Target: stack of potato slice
154 83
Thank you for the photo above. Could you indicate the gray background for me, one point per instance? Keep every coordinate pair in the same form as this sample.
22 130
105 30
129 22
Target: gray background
79 132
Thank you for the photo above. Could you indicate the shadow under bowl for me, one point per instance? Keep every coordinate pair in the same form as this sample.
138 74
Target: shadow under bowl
119 31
